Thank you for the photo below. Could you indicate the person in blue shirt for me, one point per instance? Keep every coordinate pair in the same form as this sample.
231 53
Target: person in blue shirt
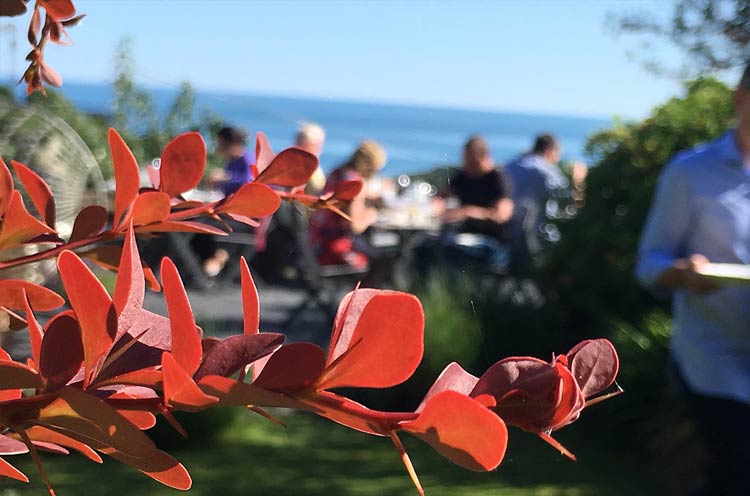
535 178
700 214
231 145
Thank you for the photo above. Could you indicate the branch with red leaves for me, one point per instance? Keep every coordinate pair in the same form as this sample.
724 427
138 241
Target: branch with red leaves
58 15
101 372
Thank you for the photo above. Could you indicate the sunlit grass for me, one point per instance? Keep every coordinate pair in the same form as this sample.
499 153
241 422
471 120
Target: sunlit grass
313 457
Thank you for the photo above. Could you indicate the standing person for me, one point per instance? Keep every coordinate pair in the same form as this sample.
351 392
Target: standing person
701 214
334 236
536 178
311 138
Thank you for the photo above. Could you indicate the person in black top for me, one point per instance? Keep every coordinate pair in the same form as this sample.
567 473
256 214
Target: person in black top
483 191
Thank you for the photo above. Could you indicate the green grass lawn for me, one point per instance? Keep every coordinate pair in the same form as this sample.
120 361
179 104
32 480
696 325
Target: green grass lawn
314 457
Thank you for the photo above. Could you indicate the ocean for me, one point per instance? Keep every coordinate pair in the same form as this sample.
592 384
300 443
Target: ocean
416 138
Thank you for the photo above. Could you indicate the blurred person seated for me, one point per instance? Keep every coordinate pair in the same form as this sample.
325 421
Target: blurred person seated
231 145
476 229
311 138
334 237
536 178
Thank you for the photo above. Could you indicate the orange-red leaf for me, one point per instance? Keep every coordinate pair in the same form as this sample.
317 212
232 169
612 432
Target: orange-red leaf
85 418
231 354
235 393
180 391
263 154
292 167
93 308
39 192
8 470
40 298
182 164
19 226
151 207
127 178
181 226
6 187
186 339
59 10
250 300
108 257
38 433
130 285
462 430
35 331
89 222
252 200
160 466
380 343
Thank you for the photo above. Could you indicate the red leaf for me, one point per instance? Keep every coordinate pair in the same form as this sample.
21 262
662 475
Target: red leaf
127 178
12 8
8 470
182 164
108 257
39 192
19 226
180 391
130 285
348 190
14 375
38 433
251 200
293 367
59 10
380 342
452 378
35 332
151 207
85 418
186 339
231 354
160 466
263 153
61 353
40 298
89 222
290 168
594 364
181 226
6 187
93 308
250 300
235 393
146 377
461 430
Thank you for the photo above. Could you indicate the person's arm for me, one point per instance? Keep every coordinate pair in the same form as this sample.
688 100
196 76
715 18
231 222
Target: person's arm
500 212
662 263
362 215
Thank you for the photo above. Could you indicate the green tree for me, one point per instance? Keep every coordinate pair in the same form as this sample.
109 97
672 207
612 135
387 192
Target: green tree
714 35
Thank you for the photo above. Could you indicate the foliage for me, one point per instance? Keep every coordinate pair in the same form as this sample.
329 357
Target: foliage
101 372
714 35
588 276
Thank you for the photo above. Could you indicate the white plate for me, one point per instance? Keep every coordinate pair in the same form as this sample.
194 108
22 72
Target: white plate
727 273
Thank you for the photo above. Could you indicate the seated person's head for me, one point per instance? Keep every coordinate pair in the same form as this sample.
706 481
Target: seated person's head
231 142
477 158
546 146
310 137
368 159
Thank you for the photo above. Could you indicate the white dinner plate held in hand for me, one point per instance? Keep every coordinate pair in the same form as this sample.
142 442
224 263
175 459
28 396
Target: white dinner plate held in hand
726 273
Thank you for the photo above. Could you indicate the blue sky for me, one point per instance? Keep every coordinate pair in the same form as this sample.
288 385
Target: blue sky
530 56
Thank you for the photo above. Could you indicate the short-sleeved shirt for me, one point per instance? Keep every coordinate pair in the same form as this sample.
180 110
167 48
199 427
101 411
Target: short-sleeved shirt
481 191
238 172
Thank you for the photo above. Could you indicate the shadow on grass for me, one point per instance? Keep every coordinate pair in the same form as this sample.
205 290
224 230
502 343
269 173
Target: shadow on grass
314 457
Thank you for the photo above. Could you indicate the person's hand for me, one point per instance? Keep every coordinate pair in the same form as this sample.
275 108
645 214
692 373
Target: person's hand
454 215
691 278
217 176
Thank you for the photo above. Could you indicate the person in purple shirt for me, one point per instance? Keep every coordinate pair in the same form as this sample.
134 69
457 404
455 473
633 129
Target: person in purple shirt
231 145
701 214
